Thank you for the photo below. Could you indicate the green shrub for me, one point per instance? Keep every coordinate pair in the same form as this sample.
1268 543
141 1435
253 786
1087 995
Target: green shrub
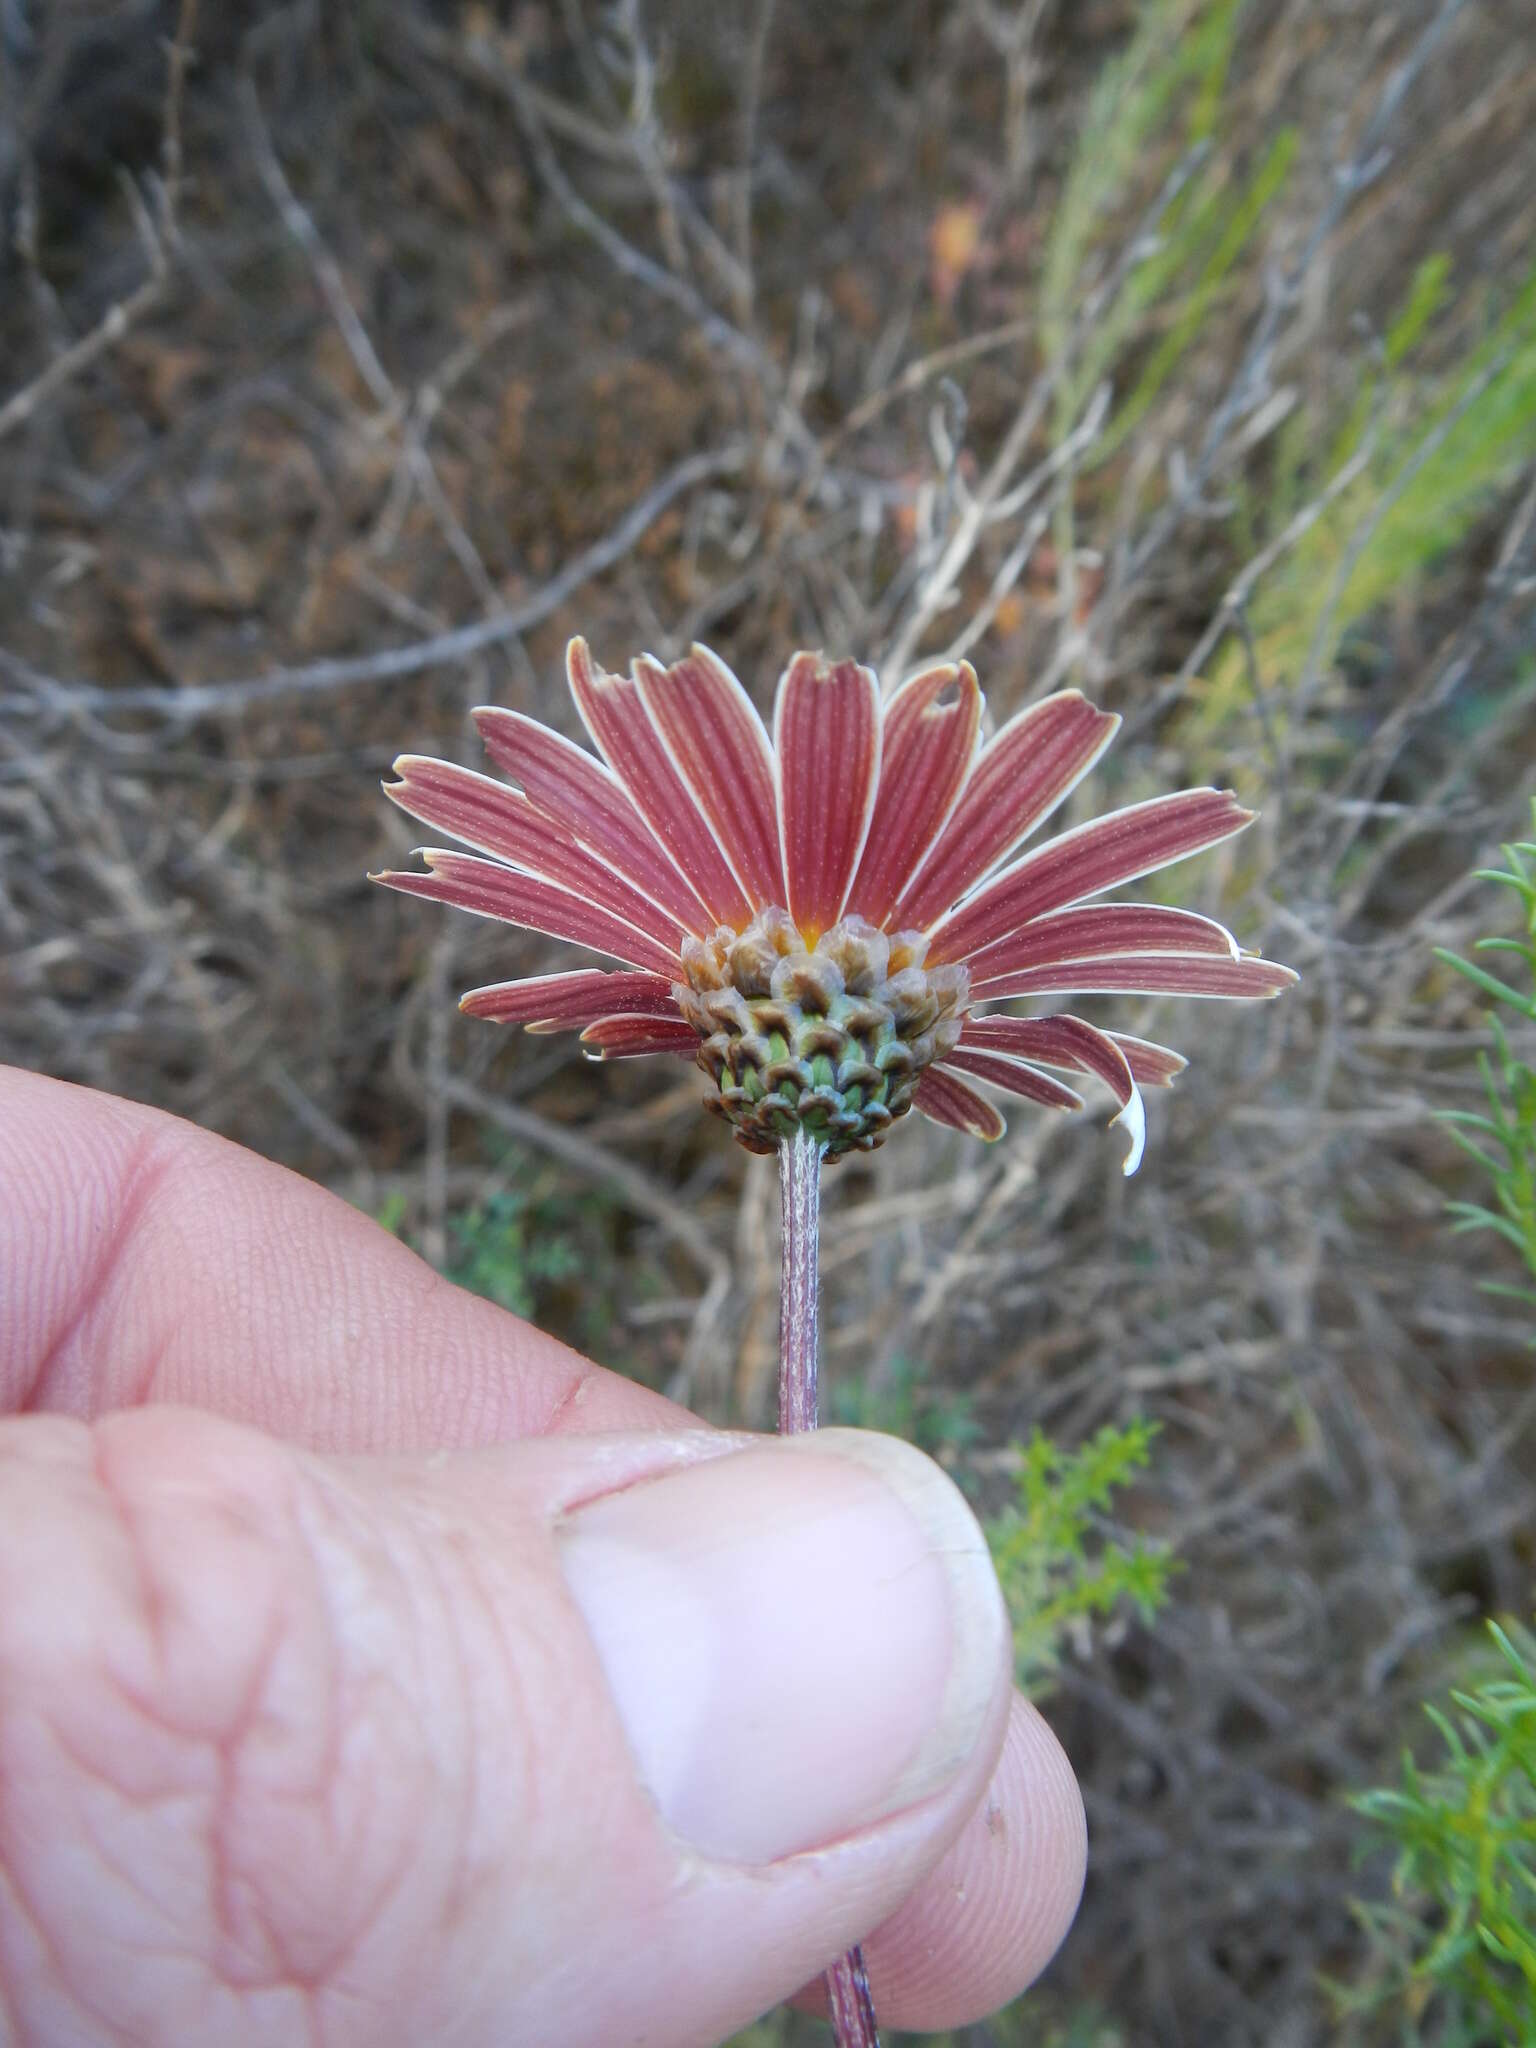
1059 1566
1453 1954
539 1244
1503 1141
506 1247
1439 422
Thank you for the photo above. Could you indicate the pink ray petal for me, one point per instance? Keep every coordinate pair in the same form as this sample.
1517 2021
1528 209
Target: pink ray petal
1082 1048
1055 1042
631 1038
1146 974
1154 1066
946 1099
494 819
553 1002
826 735
721 748
1032 765
1087 860
925 755
1014 1076
1029 1038
490 890
614 713
1098 930
567 785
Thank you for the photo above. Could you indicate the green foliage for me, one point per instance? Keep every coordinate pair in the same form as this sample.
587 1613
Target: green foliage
1454 1953
1478 428
1426 295
1237 225
1161 96
1179 48
906 1402
1431 447
1058 1566
528 1243
507 1246
1503 1142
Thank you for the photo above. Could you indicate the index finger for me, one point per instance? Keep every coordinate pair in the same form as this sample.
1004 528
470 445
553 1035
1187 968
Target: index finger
142 1259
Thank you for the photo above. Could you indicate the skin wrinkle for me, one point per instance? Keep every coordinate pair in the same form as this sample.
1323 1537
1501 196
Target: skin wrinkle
88 1767
430 1646
227 1746
147 1167
10 2025
326 1518
514 1711
429 1804
173 1950
465 1603
156 1609
62 1982
239 1902
29 1911
237 1906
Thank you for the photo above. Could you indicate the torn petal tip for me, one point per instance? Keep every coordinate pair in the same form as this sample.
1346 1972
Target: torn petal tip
1134 1117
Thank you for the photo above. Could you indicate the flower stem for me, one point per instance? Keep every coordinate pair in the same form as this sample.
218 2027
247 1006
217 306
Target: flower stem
800 1195
847 1982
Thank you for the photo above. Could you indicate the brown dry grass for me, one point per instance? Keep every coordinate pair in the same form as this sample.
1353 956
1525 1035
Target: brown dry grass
505 323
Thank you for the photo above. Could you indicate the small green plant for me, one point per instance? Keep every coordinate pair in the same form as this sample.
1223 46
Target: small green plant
505 1248
1058 1565
1454 1951
535 1244
1503 1142
902 1402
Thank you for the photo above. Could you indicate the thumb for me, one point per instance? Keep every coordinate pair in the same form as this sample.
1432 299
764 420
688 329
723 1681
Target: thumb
577 1740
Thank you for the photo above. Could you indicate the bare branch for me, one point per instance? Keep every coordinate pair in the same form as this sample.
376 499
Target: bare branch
217 700
120 318
301 226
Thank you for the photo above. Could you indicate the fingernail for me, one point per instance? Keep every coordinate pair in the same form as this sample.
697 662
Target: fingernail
802 1639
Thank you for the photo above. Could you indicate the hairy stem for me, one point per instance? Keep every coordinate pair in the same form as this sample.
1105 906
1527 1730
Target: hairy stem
800 1195
848 2000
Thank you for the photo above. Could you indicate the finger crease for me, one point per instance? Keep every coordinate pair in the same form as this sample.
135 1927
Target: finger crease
143 1173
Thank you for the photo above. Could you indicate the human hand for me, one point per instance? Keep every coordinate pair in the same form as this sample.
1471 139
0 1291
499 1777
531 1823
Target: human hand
374 1669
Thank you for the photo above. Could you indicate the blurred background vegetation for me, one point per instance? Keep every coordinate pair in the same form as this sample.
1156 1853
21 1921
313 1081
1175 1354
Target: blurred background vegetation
352 357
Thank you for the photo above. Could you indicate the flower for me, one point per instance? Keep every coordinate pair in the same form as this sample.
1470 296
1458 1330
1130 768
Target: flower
827 921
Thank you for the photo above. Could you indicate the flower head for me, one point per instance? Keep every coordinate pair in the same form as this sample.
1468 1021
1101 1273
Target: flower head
827 920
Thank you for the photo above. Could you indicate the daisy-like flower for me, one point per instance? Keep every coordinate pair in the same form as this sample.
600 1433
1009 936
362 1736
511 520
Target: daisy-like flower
830 921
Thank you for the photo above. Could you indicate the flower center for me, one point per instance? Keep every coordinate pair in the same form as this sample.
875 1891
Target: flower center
830 1038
